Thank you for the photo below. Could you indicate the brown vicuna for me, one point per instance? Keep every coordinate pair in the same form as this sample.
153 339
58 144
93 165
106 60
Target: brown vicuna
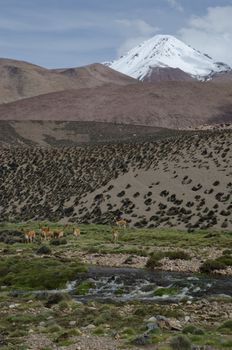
115 235
121 223
46 233
29 235
58 233
76 232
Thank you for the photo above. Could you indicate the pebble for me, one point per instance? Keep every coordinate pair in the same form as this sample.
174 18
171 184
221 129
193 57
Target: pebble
90 326
152 320
13 306
72 323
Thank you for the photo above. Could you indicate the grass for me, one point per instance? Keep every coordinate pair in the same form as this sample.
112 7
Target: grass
159 292
23 273
100 235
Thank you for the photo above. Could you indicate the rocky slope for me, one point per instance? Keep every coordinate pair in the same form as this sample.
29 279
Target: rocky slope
183 182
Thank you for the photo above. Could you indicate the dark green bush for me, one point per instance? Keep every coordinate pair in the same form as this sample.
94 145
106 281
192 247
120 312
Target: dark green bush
225 259
154 260
193 330
211 265
227 252
180 342
226 328
43 250
61 241
179 254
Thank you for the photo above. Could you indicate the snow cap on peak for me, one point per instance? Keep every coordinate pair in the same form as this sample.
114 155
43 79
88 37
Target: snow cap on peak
166 51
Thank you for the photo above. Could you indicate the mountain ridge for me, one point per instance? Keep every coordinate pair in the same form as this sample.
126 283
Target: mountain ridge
20 79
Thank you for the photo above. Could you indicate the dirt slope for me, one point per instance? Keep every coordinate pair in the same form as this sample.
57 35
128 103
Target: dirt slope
167 74
166 104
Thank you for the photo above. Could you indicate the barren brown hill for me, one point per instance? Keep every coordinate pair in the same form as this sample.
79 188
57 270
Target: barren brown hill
20 79
174 105
167 74
223 77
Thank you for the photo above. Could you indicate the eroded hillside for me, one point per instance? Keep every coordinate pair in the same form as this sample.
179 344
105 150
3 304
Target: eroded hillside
185 182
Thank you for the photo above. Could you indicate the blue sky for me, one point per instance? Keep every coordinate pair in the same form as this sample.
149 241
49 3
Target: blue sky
64 33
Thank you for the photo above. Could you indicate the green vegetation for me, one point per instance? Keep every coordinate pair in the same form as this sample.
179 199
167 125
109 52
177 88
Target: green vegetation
84 287
98 238
191 329
218 264
226 327
154 259
180 342
37 274
159 292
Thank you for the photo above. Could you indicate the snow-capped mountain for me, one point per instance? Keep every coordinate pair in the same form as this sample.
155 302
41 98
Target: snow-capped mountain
166 51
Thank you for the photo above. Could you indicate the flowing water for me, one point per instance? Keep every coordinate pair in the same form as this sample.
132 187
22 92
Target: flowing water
110 284
126 284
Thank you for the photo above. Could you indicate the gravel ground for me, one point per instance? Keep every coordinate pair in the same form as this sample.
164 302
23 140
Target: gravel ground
84 342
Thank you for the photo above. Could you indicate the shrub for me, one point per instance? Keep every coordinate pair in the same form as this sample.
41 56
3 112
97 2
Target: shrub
225 259
121 194
43 250
211 265
54 299
154 260
61 241
180 342
179 254
226 326
193 330
227 252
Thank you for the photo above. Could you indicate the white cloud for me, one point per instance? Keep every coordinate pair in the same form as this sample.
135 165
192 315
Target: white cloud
211 33
134 32
175 4
52 21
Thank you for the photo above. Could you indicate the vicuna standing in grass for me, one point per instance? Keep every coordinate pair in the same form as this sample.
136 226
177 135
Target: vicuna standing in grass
121 223
58 233
46 233
76 232
115 235
29 235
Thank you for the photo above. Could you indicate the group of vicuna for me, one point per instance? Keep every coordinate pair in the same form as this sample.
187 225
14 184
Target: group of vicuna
48 233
